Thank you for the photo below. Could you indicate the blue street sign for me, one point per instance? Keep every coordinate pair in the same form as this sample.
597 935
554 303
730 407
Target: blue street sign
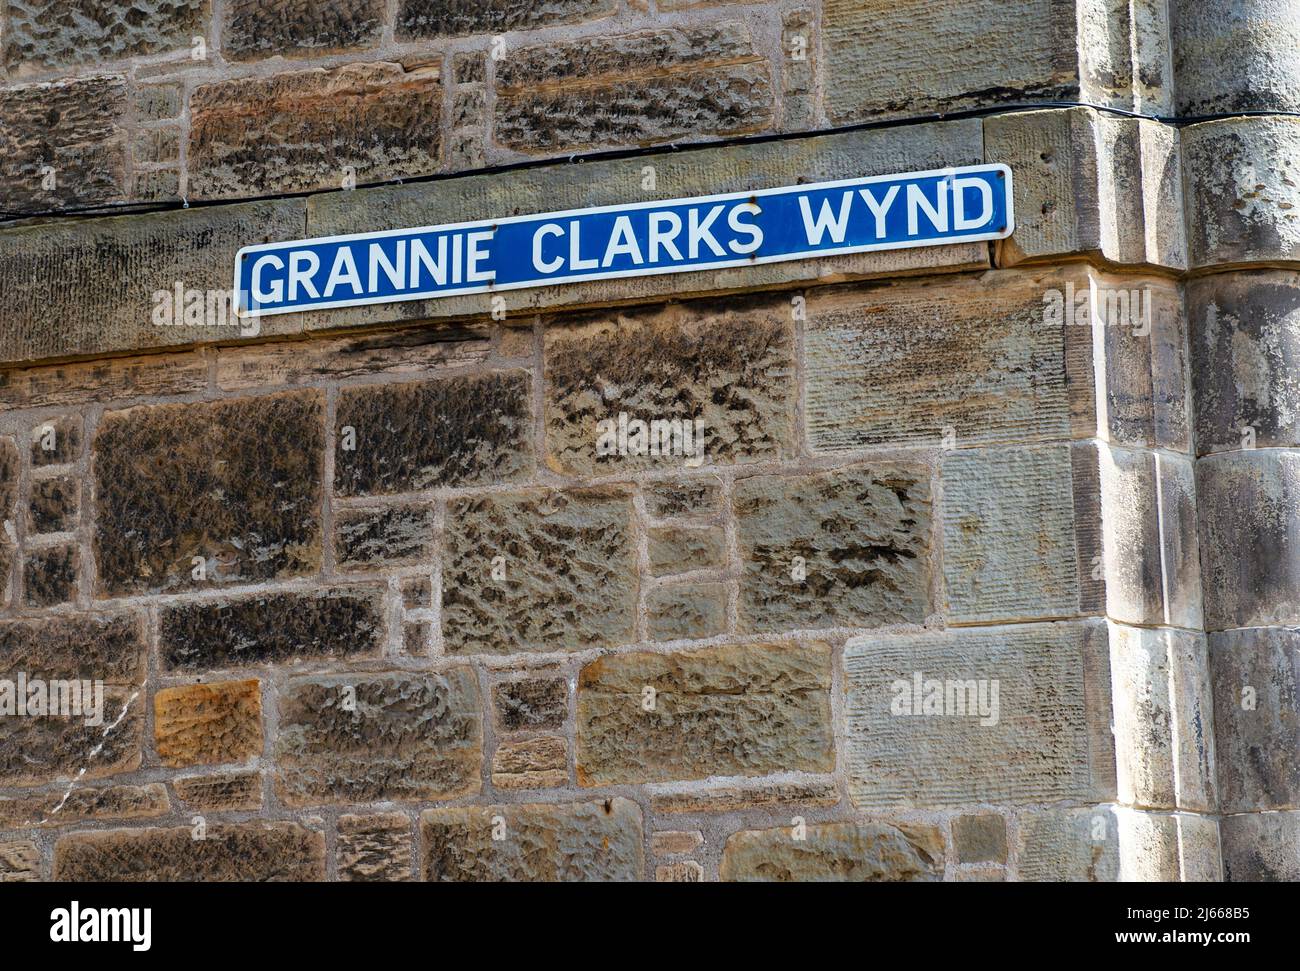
937 208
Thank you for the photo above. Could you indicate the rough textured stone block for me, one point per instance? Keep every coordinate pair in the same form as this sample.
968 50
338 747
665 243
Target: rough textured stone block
210 724
686 611
1076 845
306 130
224 792
971 361
77 272
1243 197
379 737
60 807
664 500
242 852
1261 847
841 852
731 798
728 366
452 432
62 144
447 18
980 838
634 89
894 59
1245 350
20 861
1256 677
54 505
775 697
531 763
533 703
849 548
375 848
566 566
56 441
47 33
688 871
50 576
235 482
92 647
596 841
1163 719
258 28
1010 548
273 629
375 539
39 750
671 842
1045 738
676 549
1235 55
103 380
1249 508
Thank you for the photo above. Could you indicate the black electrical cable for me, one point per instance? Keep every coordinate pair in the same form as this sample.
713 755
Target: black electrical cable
130 208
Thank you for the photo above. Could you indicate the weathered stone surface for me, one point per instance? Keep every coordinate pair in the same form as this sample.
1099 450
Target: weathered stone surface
243 852
675 549
849 548
99 278
103 380
54 505
8 477
1256 678
375 848
305 130
533 703
1047 738
568 567
379 737
595 841
272 629
688 871
1231 56
58 808
261 28
1087 182
1076 845
840 852
1249 508
634 89
1010 548
413 350
56 441
235 482
531 763
50 576
441 18
36 751
1163 719
46 33
774 697
971 361
209 724
224 792
460 431
894 59
980 838
664 500
91 647
378 538
686 611
730 798
20 862
728 366
1261 847
72 129
675 842
1243 194
1152 565
417 592
1245 349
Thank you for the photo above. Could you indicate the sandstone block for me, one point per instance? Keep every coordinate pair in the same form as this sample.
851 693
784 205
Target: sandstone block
60 807
50 576
646 717
257 28
446 18
1261 847
686 611
209 724
48 33
841 852
980 838
20 861
375 848
533 703
223 792
54 505
541 762
1231 55
664 500
677 549
374 539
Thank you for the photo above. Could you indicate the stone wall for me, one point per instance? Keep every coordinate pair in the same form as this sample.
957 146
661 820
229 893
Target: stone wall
368 602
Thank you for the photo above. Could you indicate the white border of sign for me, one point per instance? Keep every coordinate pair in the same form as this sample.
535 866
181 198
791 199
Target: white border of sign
245 251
